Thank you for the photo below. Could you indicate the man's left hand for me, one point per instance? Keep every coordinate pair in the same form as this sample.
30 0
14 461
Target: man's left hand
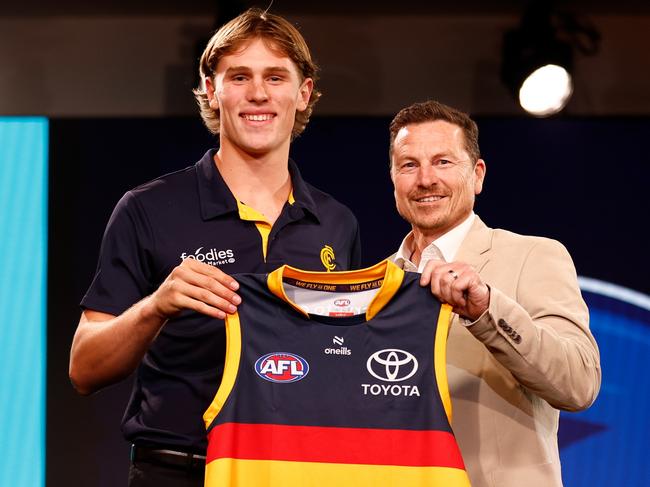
458 285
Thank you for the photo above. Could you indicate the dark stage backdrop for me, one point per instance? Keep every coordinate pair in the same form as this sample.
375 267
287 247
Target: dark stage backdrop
584 182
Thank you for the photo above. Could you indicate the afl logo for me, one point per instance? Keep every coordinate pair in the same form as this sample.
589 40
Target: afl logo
281 367
342 302
327 258
392 365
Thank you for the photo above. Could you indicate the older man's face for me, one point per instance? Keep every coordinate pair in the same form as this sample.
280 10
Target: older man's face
435 180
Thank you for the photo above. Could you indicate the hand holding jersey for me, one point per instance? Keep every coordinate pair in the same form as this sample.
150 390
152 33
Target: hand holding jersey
458 285
196 286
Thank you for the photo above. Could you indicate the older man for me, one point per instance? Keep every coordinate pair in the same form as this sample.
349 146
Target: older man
520 348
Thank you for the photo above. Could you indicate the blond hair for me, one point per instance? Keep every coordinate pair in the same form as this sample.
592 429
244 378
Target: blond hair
280 34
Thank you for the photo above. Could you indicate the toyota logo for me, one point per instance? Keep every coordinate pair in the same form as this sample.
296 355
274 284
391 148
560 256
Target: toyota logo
392 365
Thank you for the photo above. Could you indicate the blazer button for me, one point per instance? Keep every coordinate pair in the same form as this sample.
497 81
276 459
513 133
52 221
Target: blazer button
505 326
517 339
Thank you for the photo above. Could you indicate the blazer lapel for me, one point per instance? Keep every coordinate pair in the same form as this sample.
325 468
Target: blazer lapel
475 249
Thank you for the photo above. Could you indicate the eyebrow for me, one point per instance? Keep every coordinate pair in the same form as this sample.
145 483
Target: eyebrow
270 69
438 155
277 69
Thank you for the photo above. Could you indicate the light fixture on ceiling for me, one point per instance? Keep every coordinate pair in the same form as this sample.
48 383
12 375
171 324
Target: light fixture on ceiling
538 57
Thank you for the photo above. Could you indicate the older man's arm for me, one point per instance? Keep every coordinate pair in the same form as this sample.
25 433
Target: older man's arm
542 334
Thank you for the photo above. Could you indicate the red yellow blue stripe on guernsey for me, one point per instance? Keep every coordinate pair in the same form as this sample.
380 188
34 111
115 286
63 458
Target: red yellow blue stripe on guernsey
334 378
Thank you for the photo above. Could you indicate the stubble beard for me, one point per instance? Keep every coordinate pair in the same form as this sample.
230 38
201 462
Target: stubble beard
434 221
424 220
429 222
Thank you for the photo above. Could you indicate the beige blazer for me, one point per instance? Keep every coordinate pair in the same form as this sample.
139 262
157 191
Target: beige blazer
528 356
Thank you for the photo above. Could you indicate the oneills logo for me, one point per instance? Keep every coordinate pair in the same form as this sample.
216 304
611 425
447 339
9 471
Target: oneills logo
327 258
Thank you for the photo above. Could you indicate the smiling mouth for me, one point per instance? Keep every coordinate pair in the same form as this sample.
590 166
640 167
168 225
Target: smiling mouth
261 117
429 199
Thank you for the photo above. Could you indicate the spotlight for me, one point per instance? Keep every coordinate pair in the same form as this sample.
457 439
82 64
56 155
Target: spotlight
538 57
546 90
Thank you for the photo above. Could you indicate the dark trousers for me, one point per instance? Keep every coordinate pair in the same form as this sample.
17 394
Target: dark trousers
143 474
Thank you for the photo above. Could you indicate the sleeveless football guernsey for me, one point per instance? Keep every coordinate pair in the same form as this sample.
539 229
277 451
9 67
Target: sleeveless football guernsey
334 379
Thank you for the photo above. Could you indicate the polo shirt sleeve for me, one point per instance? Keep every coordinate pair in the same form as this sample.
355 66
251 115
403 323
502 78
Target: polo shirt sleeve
123 275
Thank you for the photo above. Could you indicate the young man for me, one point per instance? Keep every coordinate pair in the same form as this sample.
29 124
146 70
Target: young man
172 244
519 347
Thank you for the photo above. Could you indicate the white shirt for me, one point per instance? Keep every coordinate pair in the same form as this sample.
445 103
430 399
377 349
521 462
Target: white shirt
443 248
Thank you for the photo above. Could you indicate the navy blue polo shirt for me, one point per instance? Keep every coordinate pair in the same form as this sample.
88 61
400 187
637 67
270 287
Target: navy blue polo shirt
192 214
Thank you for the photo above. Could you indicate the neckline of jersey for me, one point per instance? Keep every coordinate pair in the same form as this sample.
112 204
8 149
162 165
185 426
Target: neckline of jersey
392 279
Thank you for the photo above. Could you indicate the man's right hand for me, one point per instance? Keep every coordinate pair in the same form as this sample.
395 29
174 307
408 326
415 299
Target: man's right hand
107 348
197 286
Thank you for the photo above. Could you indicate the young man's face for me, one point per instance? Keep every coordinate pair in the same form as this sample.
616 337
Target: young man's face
257 91
435 180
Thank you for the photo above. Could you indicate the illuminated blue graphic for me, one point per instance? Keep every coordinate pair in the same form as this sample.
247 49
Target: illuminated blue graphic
607 444
23 255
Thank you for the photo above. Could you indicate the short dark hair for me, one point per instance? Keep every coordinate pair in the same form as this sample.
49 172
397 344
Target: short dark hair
430 111
280 35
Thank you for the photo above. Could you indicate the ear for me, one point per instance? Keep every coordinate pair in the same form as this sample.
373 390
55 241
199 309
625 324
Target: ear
479 175
304 93
209 90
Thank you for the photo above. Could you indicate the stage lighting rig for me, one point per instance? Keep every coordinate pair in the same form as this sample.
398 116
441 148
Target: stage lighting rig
538 56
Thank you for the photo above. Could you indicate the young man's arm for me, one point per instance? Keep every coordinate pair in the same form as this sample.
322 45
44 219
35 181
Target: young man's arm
107 348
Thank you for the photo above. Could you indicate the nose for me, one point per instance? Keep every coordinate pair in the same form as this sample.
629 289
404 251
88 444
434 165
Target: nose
427 175
257 90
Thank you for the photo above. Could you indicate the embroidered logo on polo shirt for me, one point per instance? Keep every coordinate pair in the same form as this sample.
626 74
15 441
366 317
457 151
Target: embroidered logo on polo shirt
327 257
214 257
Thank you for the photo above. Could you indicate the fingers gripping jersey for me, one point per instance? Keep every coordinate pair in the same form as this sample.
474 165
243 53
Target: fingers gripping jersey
334 379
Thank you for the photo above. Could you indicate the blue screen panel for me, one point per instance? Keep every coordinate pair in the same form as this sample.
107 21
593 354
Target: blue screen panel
23 287
607 444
